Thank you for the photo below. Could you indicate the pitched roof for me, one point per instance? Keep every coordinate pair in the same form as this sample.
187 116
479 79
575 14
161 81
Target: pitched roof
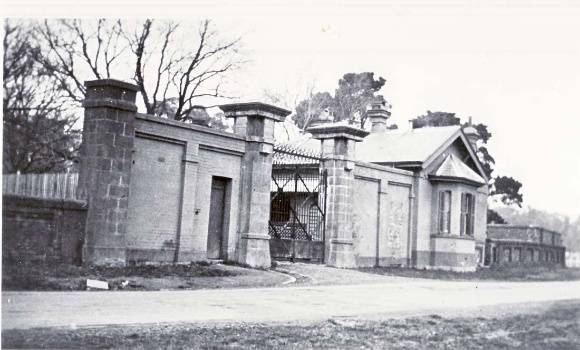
421 145
454 169
416 145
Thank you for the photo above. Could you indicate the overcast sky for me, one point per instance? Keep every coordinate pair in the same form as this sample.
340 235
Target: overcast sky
513 65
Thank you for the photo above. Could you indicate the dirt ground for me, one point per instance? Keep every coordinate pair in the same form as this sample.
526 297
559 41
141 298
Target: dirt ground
555 327
316 274
201 275
148 277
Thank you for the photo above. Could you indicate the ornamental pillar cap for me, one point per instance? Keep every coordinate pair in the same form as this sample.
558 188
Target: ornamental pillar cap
110 93
323 118
338 130
255 109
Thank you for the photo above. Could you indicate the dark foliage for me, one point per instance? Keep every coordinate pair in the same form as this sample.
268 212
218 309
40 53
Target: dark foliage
38 131
353 96
493 217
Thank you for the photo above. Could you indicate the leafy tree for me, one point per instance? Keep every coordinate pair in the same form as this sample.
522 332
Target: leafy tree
354 94
494 217
508 190
37 130
435 119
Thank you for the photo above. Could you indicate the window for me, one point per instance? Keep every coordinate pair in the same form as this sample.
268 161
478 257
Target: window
507 255
530 254
445 212
517 255
467 218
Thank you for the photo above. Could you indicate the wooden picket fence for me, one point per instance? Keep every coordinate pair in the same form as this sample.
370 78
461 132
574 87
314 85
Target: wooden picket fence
50 186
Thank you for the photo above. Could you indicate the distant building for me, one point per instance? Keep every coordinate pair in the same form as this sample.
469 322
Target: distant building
521 244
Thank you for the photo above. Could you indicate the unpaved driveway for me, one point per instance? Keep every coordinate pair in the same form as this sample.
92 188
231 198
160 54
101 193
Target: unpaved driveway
322 275
414 297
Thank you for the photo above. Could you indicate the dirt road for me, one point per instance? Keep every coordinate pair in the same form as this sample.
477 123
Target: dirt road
414 297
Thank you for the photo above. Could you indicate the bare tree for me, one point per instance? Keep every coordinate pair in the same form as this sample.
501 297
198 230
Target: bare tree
182 73
72 50
172 65
291 99
38 134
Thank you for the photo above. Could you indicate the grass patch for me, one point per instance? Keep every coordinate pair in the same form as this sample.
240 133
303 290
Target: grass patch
28 276
556 328
499 273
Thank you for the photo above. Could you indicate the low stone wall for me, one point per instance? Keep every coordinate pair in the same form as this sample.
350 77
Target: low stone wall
42 230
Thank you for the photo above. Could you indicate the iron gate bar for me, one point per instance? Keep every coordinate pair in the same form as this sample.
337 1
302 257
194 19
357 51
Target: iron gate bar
298 212
311 192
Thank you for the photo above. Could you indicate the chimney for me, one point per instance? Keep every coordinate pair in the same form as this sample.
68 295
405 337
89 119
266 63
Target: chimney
471 134
378 116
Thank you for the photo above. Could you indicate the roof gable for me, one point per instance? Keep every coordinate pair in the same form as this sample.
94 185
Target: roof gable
453 169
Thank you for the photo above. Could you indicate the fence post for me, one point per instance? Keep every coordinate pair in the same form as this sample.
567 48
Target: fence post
255 121
338 144
106 151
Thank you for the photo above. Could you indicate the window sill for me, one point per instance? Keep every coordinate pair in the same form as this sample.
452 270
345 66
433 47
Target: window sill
448 236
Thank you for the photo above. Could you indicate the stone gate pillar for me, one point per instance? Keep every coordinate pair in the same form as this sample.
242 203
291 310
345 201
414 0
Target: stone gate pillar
338 145
106 151
255 121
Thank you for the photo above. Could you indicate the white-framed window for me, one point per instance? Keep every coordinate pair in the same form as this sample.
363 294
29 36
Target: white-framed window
445 212
467 214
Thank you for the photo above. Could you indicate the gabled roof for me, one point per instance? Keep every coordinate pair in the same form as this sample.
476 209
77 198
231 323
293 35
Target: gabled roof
416 145
452 169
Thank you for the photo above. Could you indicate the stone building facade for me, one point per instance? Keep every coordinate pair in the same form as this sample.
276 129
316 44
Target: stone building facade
163 191
523 245
416 198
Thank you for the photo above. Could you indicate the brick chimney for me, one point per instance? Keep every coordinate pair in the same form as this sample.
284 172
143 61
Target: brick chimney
378 116
471 134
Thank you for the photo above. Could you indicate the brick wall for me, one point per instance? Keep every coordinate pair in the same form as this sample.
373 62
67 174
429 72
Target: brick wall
42 230
169 205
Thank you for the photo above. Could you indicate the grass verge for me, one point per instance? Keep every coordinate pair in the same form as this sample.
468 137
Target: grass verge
500 273
70 277
556 328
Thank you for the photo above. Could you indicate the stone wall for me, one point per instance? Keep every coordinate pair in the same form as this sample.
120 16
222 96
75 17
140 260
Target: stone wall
382 215
149 182
42 230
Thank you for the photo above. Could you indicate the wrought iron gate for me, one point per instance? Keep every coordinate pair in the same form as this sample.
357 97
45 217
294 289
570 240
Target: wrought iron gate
297 205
